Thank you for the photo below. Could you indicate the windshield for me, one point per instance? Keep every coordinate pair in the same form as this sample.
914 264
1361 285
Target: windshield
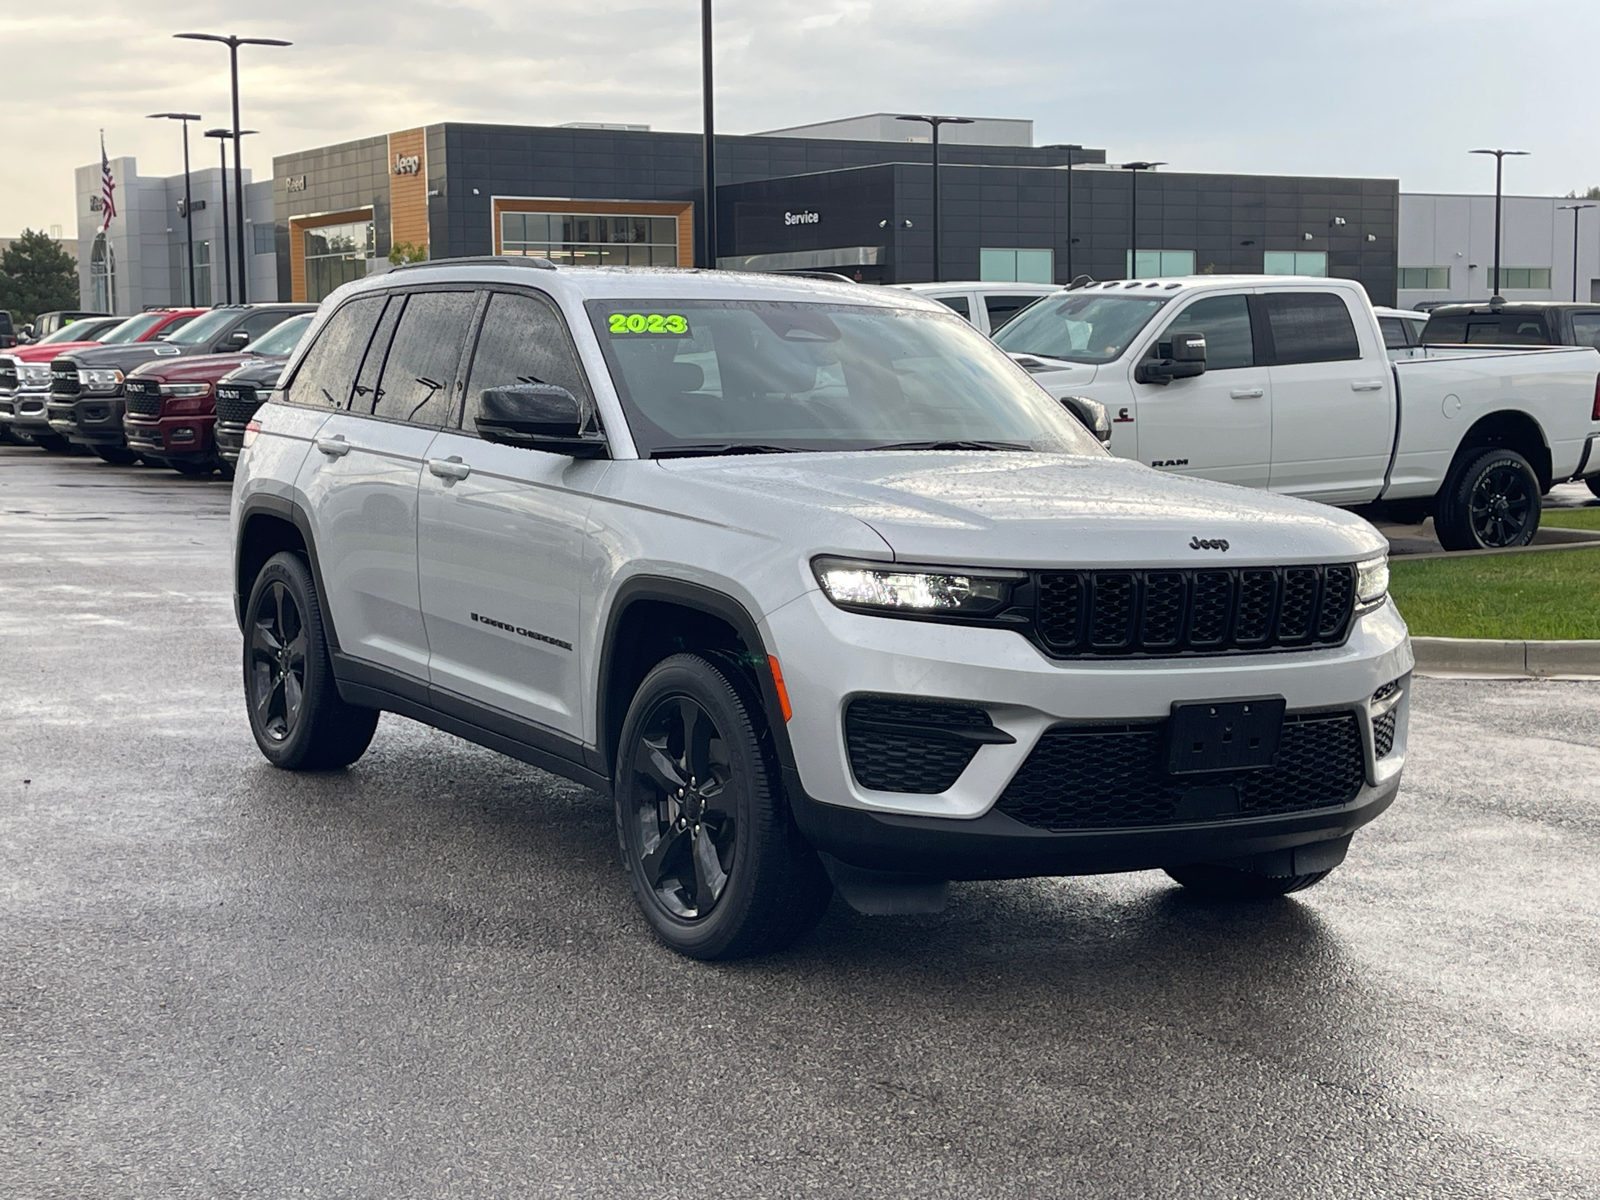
712 376
1093 328
203 329
284 338
78 331
132 329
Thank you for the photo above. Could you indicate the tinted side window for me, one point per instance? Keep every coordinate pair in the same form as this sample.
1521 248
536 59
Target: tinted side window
1310 327
368 380
958 303
522 341
1003 308
1586 329
1394 333
328 370
1489 329
1225 320
419 374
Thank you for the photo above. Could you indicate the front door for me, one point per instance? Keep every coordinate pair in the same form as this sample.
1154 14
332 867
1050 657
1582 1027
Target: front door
1217 425
503 535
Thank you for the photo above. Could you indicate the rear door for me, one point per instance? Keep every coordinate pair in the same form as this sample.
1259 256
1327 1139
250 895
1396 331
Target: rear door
1332 397
502 535
1217 425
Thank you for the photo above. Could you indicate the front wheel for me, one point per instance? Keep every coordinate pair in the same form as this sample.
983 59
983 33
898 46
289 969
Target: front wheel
1213 882
710 851
1490 501
117 456
55 443
191 467
296 714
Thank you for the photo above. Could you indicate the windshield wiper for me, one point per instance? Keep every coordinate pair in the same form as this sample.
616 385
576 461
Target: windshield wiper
708 449
954 446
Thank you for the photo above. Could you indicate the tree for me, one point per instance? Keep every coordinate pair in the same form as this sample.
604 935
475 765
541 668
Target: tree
36 276
1592 194
405 252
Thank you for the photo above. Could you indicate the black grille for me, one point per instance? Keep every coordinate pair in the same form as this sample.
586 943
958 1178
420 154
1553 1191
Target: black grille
901 745
63 379
1113 777
8 377
144 399
236 402
1383 734
1085 614
1386 691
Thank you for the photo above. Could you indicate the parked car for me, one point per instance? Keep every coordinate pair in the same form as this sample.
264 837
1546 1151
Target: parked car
241 392
43 325
1500 322
813 582
1401 329
30 366
987 305
31 397
1283 383
171 402
87 401
8 334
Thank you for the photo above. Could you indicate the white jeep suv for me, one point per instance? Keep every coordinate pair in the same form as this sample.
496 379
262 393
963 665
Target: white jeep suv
814 581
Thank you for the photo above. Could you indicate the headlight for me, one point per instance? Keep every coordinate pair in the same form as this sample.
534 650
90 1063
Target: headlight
185 391
876 587
100 379
1372 581
33 375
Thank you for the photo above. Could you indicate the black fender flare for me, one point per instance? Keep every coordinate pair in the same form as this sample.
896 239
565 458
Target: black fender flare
285 510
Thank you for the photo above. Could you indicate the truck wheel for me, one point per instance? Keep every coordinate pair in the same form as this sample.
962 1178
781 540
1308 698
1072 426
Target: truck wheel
709 848
1593 483
296 714
1490 501
117 456
191 467
55 443
1228 883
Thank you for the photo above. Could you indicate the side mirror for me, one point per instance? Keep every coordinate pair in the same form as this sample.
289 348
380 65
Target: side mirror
1183 357
537 416
237 340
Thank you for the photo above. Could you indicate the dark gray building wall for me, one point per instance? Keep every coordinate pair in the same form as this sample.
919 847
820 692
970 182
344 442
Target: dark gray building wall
349 175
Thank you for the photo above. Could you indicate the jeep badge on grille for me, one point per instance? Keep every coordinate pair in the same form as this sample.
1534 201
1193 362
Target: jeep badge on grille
1200 543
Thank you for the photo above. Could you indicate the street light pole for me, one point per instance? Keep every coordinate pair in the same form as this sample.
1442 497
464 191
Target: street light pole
1133 169
1499 163
188 197
933 123
222 136
233 43
1574 209
1070 149
708 153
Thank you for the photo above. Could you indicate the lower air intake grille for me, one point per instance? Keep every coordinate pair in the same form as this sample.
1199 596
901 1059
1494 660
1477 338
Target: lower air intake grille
1113 777
1383 734
902 745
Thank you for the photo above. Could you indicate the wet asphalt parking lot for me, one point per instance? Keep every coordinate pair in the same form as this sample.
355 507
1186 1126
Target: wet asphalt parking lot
425 976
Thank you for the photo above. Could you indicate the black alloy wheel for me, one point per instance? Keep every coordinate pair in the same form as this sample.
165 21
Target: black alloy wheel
277 663
685 798
299 720
1491 501
709 846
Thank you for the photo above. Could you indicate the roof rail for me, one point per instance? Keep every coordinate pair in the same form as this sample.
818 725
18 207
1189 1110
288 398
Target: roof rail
831 275
499 260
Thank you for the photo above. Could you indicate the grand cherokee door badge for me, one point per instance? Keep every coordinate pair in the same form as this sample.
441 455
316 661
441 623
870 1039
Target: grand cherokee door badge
521 632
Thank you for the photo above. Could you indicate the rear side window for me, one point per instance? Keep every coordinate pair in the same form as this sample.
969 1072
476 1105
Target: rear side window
1394 333
522 341
1309 327
957 304
1486 329
263 322
328 371
1003 308
420 371
1586 329
1225 320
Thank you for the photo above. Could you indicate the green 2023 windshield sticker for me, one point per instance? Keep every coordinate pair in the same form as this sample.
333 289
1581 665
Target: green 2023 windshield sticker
649 324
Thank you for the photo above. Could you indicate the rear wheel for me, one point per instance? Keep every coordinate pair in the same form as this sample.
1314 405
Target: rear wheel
295 711
710 851
119 456
1489 501
191 466
1229 883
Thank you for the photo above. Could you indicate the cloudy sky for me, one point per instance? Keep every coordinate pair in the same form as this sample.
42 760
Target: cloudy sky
1393 88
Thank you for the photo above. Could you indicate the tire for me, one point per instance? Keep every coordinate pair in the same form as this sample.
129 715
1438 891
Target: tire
1489 501
191 467
1593 484
1212 882
55 443
285 661
719 871
118 456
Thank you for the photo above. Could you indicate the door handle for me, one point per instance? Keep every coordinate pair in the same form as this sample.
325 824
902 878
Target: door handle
1248 393
333 447
449 468
1366 385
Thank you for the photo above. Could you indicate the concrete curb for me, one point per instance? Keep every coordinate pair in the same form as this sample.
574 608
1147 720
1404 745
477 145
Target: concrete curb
1492 658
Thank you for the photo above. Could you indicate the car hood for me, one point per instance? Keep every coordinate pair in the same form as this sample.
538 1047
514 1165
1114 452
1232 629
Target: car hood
1057 373
35 354
201 368
126 358
258 373
1035 510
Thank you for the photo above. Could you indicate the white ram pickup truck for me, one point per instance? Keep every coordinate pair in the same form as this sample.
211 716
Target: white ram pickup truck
1283 383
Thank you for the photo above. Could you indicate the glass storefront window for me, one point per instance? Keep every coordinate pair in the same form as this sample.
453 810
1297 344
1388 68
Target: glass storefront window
1295 262
1160 264
335 255
592 239
1017 266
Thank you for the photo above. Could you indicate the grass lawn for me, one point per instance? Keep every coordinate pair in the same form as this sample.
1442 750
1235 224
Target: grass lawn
1572 518
1548 595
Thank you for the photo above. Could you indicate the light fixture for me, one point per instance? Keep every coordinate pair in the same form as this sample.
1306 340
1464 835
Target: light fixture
1308 236
1372 237
1338 221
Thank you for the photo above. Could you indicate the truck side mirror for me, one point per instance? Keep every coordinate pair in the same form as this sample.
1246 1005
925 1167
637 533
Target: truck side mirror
537 416
1183 357
238 339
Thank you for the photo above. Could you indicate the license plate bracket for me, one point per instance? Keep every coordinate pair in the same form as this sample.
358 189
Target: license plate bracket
1224 735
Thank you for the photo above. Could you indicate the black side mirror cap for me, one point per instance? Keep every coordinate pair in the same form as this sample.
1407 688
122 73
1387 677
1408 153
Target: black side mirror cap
538 416
1183 357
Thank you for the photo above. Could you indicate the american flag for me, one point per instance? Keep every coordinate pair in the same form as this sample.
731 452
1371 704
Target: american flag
107 186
